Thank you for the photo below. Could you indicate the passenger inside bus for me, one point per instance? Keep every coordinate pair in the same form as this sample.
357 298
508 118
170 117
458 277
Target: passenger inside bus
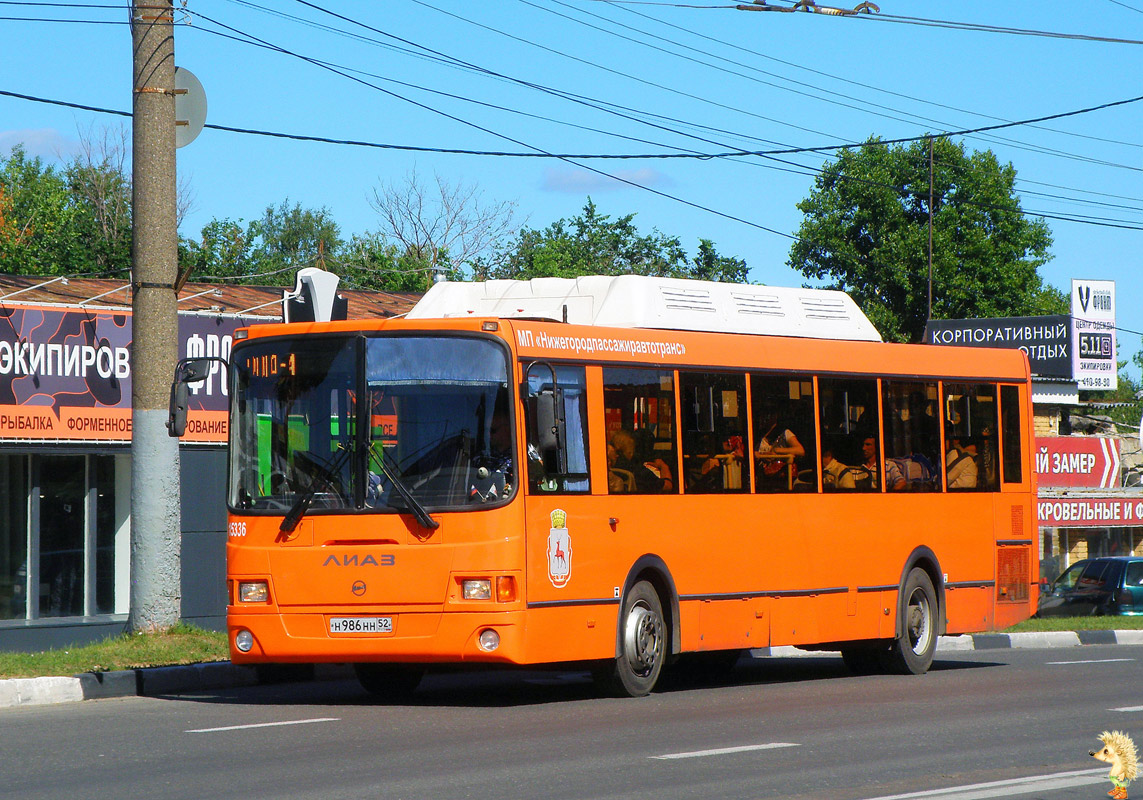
705 467
618 480
776 454
651 473
869 456
835 475
960 463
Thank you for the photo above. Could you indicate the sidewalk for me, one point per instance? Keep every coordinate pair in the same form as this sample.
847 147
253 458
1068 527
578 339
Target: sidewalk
160 681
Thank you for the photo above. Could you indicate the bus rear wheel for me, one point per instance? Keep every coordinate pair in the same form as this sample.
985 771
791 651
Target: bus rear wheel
912 652
643 645
389 681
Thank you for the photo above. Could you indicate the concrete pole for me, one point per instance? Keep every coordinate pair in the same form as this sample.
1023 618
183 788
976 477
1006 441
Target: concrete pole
155 520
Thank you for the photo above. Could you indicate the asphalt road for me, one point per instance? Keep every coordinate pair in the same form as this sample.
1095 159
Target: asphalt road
983 724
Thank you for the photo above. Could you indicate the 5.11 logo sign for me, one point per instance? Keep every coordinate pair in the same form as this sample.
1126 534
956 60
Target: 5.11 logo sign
1096 345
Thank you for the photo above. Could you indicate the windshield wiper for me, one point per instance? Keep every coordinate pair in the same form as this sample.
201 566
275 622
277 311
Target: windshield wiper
411 502
302 504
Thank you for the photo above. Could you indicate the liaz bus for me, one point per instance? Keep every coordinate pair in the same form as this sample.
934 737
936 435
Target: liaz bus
625 472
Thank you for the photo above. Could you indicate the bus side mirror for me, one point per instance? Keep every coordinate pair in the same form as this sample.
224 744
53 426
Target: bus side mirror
546 408
187 371
546 420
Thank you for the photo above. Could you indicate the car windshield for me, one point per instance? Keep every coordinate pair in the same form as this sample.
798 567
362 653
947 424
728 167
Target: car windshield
1134 574
339 421
1069 576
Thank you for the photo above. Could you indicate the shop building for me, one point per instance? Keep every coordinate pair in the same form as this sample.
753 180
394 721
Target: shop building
1088 469
65 451
1090 492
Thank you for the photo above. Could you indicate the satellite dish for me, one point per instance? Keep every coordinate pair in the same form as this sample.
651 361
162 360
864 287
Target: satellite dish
190 107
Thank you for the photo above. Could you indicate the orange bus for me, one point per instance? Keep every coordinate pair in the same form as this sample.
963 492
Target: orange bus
575 470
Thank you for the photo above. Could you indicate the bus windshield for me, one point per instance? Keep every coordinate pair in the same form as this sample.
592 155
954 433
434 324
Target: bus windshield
434 429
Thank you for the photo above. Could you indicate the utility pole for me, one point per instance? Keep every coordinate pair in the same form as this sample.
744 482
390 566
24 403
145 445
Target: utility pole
155 514
930 316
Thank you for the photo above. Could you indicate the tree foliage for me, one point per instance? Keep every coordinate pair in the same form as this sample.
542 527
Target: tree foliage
866 230
267 251
70 221
594 244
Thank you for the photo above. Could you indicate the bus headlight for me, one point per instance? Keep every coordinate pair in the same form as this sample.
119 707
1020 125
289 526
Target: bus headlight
488 640
480 589
253 592
244 641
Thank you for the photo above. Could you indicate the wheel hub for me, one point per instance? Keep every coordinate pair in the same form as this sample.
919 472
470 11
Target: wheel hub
644 639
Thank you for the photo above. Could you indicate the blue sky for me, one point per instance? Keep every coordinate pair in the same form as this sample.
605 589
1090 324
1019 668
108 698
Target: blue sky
592 77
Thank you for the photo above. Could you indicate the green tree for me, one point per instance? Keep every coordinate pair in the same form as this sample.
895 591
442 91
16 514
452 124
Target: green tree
594 244
100 186
866 230
268 251
293 237
223 251
38 219
372 261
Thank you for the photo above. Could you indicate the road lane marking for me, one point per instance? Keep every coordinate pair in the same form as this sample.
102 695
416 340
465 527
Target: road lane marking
722 751
265 725
1010 787
1092 661
1127 709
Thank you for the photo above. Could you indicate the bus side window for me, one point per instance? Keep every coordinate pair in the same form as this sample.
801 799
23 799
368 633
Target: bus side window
850 430
639 417
572 384
912 435
1013 427
714 433
971 454
785 443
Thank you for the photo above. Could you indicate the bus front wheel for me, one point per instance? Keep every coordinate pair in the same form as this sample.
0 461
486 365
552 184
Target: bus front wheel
912 652
643 644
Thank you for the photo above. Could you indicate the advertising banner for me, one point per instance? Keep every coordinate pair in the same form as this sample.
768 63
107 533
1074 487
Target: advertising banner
65 373
1078 461
1090 512
1046 340
1093 334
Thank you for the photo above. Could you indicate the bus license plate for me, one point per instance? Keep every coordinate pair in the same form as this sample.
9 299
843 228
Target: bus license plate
360 624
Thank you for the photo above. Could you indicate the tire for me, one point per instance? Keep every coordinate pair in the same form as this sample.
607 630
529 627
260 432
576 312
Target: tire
918 610
643 645
389 681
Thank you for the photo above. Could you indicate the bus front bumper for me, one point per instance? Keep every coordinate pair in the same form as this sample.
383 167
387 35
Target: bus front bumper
409 637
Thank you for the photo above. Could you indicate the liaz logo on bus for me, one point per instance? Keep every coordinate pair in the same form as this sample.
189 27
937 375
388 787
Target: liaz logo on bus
383 560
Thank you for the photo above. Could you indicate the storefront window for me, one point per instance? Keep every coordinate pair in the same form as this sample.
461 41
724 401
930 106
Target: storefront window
13 536
58 529
62 498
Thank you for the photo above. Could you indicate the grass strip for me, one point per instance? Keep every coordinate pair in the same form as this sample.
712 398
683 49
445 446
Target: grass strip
187 644
182 644
1077 624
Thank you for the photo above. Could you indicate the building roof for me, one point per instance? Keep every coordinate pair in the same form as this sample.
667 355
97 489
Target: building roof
116 293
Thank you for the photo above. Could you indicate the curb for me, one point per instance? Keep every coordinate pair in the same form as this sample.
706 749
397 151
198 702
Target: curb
160 681
993 641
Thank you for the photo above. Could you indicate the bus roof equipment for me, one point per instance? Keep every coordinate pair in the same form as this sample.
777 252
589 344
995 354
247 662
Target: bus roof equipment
638 301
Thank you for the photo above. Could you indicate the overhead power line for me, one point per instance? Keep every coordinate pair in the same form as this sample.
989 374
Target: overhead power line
536 153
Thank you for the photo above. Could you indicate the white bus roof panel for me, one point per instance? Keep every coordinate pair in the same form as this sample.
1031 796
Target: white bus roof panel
637 301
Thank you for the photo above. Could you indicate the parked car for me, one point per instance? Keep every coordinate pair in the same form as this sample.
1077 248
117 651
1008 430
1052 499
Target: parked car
1096 586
